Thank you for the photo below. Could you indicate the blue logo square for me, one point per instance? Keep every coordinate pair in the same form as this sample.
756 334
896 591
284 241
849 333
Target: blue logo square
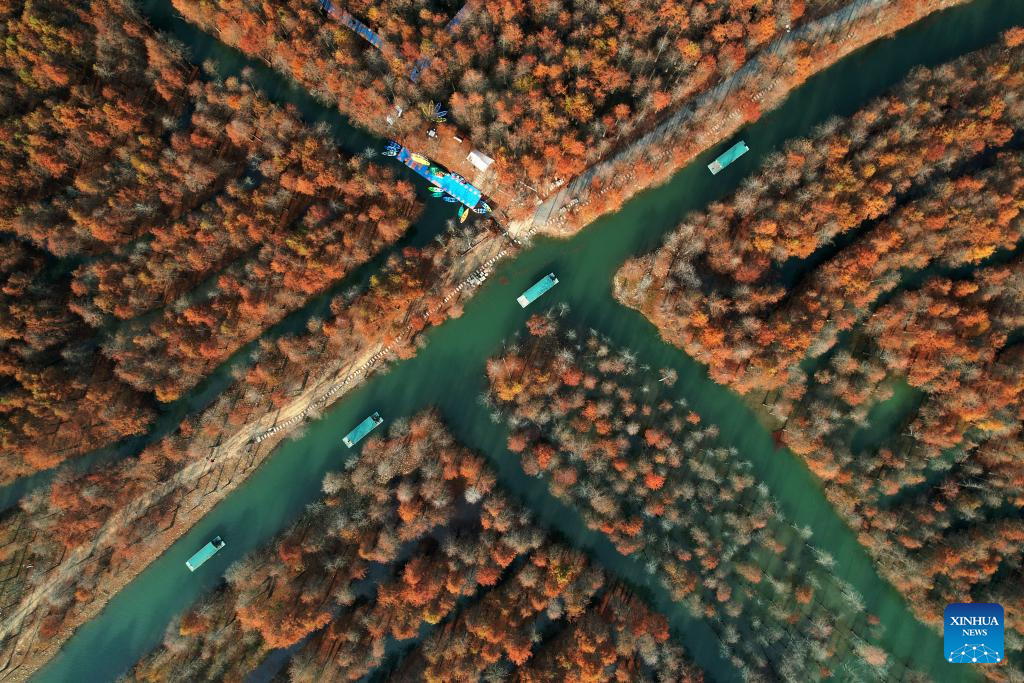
973 632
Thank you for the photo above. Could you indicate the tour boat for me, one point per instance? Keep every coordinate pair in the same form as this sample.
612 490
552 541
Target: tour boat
534 293
728 156
206 552
362 429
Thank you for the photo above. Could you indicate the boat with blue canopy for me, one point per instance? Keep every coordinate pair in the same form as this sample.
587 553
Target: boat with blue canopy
728 156
538 289
205 553
362 429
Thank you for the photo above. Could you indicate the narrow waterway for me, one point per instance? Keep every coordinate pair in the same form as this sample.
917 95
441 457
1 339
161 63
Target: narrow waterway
350 140
449 373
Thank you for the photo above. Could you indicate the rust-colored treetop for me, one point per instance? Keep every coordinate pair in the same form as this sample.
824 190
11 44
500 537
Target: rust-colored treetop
159 219
611 439
542 87
866 287
771 288
462 575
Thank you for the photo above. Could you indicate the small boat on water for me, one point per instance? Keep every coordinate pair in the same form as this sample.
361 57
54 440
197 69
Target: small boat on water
728 156
535 292
206 552
362 429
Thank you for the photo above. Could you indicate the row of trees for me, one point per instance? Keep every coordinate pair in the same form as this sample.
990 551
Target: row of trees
937 500
58 396
124 513
760 307
132 188
764 84
313 217
644 471
544 88
85 100
91 97
422 512
837 337
296 206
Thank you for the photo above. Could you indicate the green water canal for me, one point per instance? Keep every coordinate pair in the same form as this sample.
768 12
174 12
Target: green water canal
449 374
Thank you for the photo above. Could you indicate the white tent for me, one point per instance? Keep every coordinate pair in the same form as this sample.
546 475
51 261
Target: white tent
481 161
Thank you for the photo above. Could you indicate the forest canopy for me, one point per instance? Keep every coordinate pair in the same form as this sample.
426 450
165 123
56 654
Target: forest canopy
467 579
545 88
190 271
156 220
864 291
642 468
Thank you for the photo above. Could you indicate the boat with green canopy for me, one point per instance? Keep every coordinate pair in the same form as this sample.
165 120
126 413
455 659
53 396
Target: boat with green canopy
535 292
728 156
362 429
206 552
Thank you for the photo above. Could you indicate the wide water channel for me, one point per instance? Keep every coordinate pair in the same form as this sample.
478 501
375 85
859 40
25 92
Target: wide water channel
449 374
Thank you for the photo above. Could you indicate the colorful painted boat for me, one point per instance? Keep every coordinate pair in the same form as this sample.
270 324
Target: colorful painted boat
538 289
362 429
728 156
206 552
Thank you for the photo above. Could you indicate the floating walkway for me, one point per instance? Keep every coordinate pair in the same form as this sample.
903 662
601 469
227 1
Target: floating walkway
728 156
359 27
374 39
362 30
362 429
206 552
450 186
538 289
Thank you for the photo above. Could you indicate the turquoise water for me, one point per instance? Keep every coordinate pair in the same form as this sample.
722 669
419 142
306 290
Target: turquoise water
449 373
